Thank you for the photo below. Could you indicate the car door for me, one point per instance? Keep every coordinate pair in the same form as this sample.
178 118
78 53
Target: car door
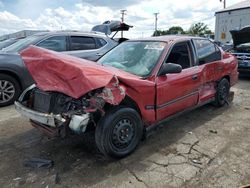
55 43
86 47
209 63
177 92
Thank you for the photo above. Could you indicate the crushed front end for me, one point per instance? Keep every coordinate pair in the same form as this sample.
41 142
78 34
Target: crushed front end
57 114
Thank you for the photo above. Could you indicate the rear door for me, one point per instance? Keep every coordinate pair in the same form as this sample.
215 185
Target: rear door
177 92
209 63
86 47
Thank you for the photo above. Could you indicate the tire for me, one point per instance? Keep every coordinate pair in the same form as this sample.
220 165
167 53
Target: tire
119 132
222 94
9 90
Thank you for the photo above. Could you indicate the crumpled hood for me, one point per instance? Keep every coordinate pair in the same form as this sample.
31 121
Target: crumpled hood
241 36
53 71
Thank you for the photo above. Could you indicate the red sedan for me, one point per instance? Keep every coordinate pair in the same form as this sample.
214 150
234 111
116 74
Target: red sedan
129 91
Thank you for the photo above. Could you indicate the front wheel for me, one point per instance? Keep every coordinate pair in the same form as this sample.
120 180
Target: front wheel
119 132
9 90
222 93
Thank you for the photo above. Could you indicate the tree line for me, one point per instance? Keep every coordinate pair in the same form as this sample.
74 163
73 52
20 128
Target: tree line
197 29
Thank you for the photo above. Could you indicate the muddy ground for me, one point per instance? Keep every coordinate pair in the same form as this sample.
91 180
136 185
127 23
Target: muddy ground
208 147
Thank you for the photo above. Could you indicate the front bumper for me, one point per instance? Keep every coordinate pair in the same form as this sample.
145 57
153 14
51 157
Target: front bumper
43 118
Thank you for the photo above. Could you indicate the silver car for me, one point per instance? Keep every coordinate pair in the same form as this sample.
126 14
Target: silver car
14 77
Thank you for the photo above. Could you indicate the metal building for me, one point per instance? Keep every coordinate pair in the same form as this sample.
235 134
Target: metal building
234 17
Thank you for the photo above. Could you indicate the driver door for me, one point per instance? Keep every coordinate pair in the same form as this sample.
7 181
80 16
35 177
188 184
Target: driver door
177 92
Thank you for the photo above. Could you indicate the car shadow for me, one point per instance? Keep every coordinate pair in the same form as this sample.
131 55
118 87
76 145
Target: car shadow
78 158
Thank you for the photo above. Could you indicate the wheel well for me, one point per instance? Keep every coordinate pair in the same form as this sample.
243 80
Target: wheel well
12 75
128 102
227 77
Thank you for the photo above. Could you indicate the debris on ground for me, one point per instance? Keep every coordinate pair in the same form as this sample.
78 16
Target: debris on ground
245 186
38 163
16 179
196 162
213 131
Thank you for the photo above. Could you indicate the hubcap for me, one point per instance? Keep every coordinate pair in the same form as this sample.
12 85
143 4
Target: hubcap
123 133
7 91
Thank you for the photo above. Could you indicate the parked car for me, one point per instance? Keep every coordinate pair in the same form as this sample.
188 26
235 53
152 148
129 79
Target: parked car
241 49
14 77
8 42
129 91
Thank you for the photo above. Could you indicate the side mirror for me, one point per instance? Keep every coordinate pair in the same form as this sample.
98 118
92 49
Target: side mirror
170 68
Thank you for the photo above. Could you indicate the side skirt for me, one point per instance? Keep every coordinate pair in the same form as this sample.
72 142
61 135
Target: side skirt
151 128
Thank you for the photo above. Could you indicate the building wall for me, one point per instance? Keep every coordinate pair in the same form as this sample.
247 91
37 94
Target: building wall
230 20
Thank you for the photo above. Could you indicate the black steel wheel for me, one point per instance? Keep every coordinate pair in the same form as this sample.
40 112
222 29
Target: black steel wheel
9 90
119 132
222 93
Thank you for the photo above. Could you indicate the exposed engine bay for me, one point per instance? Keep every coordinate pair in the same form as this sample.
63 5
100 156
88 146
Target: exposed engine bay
56 110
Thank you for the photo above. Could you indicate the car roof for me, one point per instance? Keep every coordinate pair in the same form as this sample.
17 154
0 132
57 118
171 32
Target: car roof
168 38
52 33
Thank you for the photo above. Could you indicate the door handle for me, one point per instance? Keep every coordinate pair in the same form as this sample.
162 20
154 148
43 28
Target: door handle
195 77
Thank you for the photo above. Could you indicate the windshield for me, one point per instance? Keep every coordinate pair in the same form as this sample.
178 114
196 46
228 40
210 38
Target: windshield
21 44
136 57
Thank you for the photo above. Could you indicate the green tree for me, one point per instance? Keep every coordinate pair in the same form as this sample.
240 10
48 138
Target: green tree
199 29
175 30
171 31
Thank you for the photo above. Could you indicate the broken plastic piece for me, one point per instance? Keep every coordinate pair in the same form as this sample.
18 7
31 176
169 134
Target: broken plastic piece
213 131
196 161
38 163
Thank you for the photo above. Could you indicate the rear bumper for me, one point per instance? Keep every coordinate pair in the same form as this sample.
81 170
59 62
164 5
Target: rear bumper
43 118
244 70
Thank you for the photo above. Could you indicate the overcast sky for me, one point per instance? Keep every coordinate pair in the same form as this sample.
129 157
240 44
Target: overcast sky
16 15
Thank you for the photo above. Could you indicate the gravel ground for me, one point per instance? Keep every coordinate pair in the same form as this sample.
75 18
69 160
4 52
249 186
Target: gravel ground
208 147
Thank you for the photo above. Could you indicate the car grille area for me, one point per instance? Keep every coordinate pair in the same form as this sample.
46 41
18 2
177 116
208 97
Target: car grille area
44 101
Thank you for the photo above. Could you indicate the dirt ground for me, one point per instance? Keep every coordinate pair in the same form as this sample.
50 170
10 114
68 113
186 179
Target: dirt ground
208 147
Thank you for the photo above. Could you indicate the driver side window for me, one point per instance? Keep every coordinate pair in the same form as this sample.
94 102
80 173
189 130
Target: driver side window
180 55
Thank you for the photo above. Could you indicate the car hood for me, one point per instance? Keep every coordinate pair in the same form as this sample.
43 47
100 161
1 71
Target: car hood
241 36
6 59
53 71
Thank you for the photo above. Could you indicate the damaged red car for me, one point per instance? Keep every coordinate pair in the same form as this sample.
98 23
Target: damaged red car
129 91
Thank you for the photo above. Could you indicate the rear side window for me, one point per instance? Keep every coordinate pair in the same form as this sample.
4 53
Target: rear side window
206 51
100 42
82 43
56 43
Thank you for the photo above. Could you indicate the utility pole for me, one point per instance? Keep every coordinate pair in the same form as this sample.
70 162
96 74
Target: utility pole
224 3
156 19
122 18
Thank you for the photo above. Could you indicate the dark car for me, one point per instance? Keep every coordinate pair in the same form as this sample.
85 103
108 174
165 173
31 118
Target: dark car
90 45
241 49
130 90
8 42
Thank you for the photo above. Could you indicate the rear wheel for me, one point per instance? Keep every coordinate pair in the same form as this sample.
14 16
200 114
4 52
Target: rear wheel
119 132
222 93
9 90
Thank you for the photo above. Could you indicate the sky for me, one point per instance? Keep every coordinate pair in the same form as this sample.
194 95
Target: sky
16 15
